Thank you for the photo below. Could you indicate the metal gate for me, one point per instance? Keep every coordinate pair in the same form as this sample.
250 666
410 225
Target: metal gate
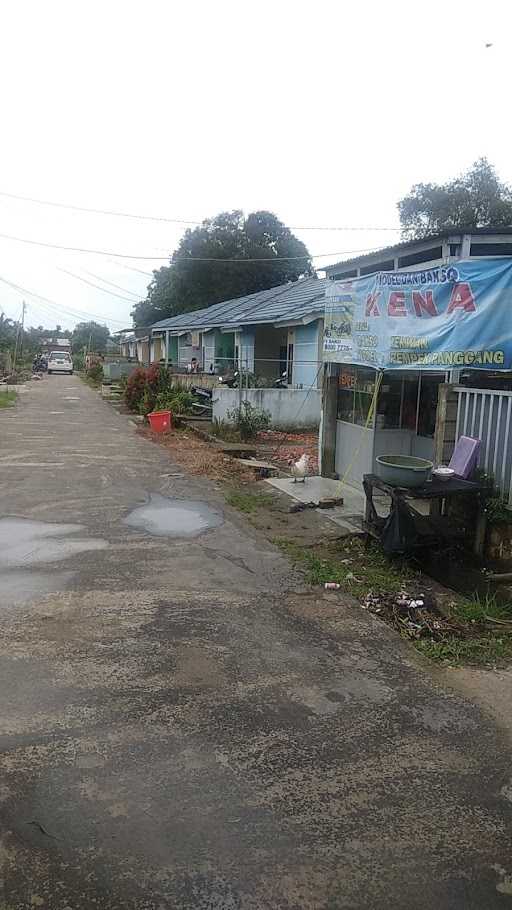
486 414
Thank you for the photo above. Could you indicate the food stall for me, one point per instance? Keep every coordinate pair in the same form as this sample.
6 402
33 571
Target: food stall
391 339
403 422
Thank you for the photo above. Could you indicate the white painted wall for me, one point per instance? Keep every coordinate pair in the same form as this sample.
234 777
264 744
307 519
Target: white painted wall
357 448
288 407
354 452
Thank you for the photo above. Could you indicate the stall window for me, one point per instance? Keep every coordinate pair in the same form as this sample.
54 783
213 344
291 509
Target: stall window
389 407
428 404
409 402
356 387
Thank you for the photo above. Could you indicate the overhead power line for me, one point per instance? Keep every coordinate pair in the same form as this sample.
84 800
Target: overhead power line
75 249
114 214
93 285
75 314
132 269
111 283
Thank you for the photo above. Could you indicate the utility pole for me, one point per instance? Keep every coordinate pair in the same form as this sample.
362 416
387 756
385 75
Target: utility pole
23 308
19 329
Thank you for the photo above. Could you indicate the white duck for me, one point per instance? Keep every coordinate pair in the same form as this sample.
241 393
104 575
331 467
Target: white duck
299 468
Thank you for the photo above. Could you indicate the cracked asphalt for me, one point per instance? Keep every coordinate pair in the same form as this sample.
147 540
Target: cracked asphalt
183 726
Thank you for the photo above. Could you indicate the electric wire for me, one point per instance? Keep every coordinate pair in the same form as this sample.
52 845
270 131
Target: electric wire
81 314
160 218
76 249
91 284
111 283
131 268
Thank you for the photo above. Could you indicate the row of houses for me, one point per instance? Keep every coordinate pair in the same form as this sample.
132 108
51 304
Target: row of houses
271 332
281 331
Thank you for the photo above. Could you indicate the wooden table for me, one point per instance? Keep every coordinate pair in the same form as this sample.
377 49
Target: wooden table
405 528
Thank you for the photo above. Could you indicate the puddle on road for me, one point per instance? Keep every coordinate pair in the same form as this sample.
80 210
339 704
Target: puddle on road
25 543
166 517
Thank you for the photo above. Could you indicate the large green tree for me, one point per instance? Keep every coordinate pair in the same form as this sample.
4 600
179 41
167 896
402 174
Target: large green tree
199 275
90 335
476 198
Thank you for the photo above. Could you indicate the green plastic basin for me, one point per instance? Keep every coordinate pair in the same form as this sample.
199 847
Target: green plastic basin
403 470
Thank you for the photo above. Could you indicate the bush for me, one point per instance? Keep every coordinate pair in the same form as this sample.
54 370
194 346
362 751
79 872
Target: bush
495 503
249 420
176 400
95 373
144 386
134 391
224 430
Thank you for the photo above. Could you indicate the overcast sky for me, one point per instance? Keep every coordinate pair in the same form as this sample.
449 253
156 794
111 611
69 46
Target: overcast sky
325 113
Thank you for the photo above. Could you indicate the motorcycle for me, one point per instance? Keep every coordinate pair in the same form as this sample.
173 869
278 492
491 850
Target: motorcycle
230 380
39 364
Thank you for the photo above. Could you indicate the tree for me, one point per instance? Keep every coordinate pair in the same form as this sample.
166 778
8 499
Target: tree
90 335
197 276
8 329
474 199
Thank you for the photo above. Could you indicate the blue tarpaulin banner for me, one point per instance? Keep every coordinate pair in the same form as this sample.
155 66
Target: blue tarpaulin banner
449 317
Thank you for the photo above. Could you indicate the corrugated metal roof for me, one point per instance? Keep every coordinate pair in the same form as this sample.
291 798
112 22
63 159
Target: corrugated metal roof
286 301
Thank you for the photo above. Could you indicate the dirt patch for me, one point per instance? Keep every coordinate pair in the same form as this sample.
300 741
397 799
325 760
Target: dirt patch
282 448
199 457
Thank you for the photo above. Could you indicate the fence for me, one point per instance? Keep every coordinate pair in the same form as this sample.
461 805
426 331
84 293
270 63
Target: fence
486 414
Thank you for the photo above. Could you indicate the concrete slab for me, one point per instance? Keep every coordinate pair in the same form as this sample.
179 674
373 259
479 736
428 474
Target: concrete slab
349 517
257 465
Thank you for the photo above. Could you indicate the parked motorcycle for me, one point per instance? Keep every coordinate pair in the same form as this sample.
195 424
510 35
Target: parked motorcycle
204 406
230 379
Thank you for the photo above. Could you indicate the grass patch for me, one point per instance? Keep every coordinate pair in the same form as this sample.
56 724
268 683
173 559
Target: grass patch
225 431
481 644
92 383
481 609
356 567
466 637
7 399
249 502
484 649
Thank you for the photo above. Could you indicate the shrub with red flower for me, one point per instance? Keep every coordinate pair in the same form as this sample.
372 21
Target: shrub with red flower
143 387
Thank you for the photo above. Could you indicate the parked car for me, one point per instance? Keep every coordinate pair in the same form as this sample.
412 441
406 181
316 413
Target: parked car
60 362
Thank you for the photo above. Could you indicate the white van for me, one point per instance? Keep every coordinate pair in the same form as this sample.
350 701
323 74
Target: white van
60 362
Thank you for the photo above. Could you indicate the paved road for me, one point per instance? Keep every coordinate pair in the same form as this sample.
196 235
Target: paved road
177 731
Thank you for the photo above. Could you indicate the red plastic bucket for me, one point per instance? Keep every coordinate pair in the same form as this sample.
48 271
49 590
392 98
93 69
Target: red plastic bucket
160 421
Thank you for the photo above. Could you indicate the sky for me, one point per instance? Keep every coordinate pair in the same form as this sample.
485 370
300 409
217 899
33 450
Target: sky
325 113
